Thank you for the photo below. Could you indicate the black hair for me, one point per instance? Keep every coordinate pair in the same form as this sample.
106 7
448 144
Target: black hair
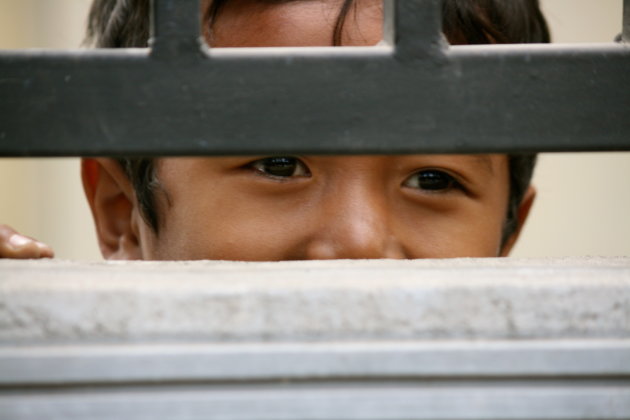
125 24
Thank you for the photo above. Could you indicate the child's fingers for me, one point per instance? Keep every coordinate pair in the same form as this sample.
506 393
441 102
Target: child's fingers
14 245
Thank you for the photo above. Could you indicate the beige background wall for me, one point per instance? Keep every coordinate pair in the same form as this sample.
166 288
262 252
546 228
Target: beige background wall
584 199
583 203
43 197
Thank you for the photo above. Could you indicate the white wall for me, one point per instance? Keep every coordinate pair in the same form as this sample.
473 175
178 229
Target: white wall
582 207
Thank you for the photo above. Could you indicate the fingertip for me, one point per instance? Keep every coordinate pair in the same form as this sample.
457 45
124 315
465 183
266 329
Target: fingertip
24 247
45 251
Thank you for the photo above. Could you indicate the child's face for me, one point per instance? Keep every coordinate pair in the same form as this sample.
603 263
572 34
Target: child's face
248 208
307 23
317 207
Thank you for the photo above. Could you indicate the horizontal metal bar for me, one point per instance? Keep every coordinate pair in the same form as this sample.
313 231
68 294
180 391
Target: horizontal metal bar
421 361
316 101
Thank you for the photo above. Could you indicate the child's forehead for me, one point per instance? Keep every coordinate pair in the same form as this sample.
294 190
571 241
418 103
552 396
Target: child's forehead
271 23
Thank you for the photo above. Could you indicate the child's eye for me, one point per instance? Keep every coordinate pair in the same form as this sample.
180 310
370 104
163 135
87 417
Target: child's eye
281 167
432 180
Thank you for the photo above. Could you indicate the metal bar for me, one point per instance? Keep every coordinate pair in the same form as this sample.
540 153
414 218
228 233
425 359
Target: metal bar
413 96
319 100
416 28
626 21
175 29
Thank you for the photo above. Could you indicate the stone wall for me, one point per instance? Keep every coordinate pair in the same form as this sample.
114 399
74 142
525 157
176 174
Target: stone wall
440 339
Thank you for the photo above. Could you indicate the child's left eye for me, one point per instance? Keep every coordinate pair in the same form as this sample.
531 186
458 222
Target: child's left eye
281 167
432 180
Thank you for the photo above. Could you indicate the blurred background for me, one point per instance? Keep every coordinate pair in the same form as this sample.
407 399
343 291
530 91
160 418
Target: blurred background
583 204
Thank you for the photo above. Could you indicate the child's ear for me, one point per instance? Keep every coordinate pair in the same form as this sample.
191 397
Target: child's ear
112 201
521 217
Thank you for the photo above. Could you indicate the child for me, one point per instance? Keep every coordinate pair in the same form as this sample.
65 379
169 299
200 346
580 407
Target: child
311 207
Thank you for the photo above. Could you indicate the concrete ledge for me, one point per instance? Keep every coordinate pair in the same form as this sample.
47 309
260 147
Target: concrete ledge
422 361
359 402
57 301
449 339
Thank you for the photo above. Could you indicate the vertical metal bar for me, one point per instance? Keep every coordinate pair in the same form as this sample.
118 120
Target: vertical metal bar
175 28
626 21
414 27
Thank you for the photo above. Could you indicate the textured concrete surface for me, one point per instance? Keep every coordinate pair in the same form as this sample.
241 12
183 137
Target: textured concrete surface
58 301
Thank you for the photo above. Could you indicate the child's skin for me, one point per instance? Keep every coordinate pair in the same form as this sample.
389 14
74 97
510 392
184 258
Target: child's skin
15 245
306 207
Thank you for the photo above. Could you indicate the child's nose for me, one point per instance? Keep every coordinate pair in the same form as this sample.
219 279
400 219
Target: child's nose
354 224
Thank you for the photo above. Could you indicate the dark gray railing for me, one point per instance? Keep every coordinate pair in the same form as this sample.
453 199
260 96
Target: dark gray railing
413 95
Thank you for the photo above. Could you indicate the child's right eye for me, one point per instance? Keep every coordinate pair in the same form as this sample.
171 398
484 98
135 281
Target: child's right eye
281 167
